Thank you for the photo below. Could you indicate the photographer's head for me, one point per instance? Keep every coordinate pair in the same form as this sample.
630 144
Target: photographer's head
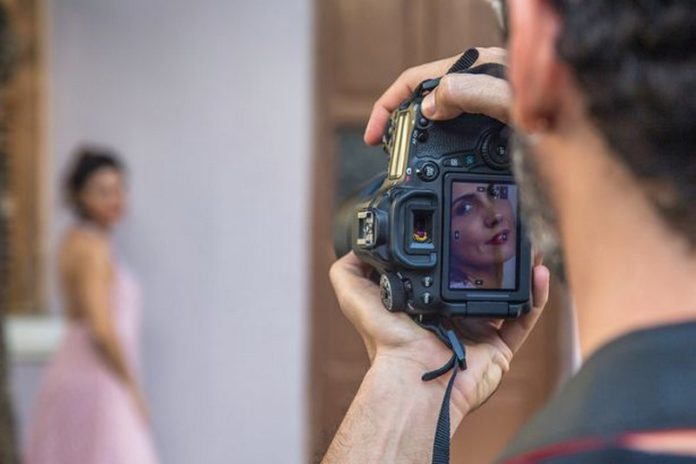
630 68
608 90
95 187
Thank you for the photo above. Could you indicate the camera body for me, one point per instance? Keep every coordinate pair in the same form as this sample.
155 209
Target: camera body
441 227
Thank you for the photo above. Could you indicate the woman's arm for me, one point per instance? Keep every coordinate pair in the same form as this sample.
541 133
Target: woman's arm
94 285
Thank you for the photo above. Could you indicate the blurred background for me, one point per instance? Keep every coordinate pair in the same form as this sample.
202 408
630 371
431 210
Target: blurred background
241 125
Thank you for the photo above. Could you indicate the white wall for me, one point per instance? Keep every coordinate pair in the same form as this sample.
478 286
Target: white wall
209 103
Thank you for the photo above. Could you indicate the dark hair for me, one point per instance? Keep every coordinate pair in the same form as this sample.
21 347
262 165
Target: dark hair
635 62
88 160
8 46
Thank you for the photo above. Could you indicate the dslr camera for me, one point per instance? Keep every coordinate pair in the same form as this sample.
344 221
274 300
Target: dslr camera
441 227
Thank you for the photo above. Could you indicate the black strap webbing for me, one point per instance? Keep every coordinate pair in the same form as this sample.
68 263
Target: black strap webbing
441 444
465 61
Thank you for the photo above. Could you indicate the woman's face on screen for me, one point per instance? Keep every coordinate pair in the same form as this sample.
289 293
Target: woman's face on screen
484 227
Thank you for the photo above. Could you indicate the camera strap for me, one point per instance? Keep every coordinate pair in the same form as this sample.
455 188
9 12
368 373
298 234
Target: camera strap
465 61
441 444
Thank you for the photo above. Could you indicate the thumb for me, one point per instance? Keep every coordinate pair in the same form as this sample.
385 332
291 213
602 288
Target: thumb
468 93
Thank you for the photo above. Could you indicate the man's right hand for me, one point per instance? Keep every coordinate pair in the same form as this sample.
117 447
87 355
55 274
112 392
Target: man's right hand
456 94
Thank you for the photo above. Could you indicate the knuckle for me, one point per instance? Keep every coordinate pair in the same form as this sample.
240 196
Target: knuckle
446 91
410 75
537 308
336 277
334 273
493 54
493 50
406 74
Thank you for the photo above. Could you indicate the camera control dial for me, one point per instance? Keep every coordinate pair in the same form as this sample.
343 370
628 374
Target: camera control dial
392 293
494 149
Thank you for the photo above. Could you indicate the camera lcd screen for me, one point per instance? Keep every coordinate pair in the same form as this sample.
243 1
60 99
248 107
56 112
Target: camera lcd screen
483 236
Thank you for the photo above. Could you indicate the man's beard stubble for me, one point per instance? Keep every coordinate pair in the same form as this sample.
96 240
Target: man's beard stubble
537 208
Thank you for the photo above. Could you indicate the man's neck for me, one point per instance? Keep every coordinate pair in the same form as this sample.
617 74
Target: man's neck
626 269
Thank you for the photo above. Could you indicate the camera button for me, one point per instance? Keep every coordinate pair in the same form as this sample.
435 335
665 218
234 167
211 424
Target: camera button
408 286
427 281
426 298
428 171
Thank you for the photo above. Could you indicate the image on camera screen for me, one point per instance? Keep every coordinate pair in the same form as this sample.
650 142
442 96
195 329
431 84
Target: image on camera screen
483 236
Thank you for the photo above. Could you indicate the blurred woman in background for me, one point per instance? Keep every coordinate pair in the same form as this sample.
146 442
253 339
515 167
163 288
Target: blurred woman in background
90 409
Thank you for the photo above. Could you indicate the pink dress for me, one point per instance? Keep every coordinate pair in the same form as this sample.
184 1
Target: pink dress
83 414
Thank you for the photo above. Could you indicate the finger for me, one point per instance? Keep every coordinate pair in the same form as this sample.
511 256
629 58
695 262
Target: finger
353 264
491 55
515 331
407 82
357 295
468 93
400 90
360 300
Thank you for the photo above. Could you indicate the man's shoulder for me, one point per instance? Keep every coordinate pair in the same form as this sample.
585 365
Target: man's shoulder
642 382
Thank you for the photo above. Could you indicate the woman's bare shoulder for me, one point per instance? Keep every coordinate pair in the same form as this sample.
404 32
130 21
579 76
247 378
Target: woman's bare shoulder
81 242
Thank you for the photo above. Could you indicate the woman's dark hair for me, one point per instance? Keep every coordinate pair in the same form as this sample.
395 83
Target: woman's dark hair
635 61
88 160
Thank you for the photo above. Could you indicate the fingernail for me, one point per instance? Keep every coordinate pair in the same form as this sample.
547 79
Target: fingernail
428 105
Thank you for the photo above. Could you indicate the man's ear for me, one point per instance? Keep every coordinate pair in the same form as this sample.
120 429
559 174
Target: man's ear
536 73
